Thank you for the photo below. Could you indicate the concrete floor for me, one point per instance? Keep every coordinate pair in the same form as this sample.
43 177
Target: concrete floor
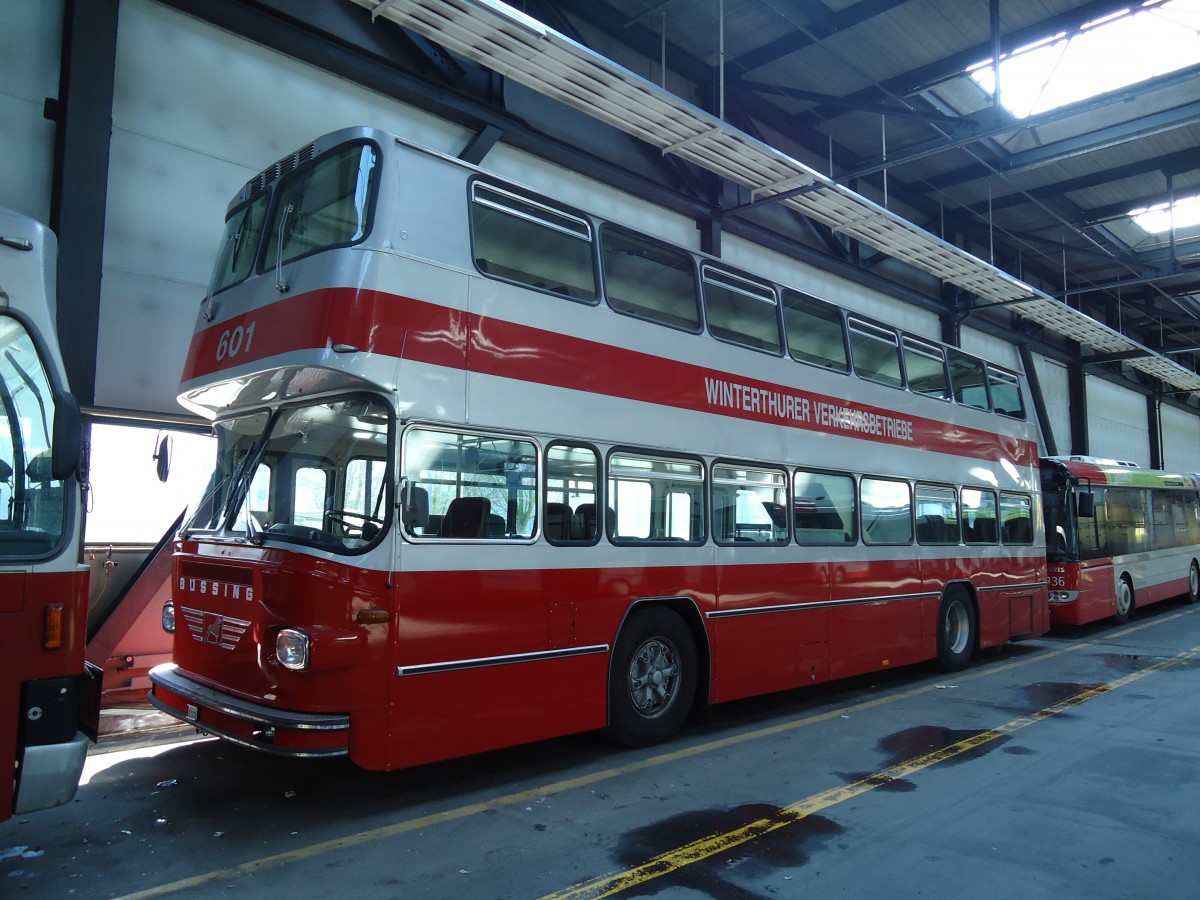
1062 767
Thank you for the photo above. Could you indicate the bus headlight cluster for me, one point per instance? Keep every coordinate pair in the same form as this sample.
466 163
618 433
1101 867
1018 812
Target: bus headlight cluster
168 617
292 648
1063 596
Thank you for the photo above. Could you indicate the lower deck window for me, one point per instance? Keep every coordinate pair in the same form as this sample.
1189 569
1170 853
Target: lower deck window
655 499
886 511
824 508
465 486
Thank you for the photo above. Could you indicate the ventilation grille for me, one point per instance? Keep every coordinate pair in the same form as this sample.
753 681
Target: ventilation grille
276 170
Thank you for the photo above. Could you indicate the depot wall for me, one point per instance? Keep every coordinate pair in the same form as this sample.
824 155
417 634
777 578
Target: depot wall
198 110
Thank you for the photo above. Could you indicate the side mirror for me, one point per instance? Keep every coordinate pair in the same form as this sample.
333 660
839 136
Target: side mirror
162 459
1085 505
67 437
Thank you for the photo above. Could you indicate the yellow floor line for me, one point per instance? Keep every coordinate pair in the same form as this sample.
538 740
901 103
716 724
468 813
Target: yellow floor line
705 848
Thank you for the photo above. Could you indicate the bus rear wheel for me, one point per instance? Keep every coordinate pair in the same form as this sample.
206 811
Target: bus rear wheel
652 679
1124 601
1193 593
956 630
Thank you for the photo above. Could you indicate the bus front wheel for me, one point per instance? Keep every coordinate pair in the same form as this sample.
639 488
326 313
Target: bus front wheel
652 679
956 630
1124 601
1193 593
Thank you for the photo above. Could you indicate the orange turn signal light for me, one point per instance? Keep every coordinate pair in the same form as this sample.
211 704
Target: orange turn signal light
52 626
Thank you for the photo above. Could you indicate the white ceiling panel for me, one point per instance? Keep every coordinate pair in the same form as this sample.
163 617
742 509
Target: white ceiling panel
196 112
30 40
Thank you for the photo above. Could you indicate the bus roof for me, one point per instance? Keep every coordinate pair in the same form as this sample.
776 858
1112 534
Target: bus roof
1106 472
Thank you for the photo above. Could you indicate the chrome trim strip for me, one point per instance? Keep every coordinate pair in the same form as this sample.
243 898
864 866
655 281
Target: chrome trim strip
1033 585
488 661
816 604
855 601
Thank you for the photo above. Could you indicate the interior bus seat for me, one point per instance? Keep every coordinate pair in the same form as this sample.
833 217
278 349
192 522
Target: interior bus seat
583 522
493 525
557 526
1018 531
465 517
46 499
931 529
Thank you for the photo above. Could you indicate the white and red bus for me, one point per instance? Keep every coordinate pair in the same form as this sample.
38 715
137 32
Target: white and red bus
1117 537
493 468
49 705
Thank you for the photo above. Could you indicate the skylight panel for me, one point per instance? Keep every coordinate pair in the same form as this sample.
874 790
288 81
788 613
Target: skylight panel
1159 219
1119 50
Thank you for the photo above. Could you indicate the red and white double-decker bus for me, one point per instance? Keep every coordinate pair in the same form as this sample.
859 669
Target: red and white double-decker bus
49 707
1118 536
493 468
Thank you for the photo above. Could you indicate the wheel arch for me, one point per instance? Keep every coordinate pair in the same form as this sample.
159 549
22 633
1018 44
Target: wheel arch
1124 576
965 587
688 610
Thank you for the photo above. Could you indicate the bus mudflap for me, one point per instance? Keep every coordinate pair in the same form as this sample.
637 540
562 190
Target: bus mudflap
53 712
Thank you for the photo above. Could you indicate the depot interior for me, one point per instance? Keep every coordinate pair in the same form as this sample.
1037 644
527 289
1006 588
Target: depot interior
129 125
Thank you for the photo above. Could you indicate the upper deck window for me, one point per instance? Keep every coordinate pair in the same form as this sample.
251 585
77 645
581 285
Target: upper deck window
1006 393
925 366
876 353
649 279
520 239
239 248
741 311
969 379
326 204
815 333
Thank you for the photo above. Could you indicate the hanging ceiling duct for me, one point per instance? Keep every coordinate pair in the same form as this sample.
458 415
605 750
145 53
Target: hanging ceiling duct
519 47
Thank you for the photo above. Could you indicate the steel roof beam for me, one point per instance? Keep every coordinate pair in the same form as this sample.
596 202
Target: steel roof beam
826 24
1171 163
526 51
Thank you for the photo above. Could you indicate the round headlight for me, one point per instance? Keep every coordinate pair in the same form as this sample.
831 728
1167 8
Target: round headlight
292 648
168 617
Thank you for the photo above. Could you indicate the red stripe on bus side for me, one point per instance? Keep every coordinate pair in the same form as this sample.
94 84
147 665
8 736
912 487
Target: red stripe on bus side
402 327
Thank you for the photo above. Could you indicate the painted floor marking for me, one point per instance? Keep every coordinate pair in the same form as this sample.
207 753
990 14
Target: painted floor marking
408 825
705 848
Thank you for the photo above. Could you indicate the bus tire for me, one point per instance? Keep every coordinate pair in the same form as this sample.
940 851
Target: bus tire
652 679
956 630
1193 593
1124 601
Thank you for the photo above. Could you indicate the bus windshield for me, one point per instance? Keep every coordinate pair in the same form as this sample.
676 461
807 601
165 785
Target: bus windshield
1061 534
315 474
32 509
